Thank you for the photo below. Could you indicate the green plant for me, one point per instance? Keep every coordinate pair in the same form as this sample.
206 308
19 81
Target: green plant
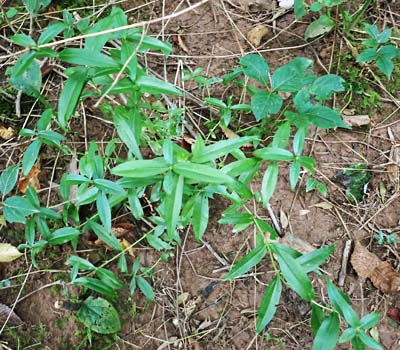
179 183
385 238
376 51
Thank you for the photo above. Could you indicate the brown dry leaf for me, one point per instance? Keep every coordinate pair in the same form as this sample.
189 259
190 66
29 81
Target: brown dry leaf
256 34
31 180
121 229
303 212
13 321
296 243
356 120
182 44
322 205
8 252
125 244
284 219
6 133
183 298
381 273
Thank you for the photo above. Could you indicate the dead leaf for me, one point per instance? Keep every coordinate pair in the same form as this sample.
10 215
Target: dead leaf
182 44
13 320
322 205
31 180
256 34
393 168
8 252
356 120
125 244
183 298
6 133
284 219
304 212
381 273
296 243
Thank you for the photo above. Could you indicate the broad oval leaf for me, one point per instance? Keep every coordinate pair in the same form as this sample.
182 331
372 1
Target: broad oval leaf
8 179
269 304
247 262
8 252
30 156
322 25
145 288
16 209
255 66
51 31
265 103
311 261
99 316
63 235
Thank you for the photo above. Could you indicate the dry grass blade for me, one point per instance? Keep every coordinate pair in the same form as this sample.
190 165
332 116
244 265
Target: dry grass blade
381 273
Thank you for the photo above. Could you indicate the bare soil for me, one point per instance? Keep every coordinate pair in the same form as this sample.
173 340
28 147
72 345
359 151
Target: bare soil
194 309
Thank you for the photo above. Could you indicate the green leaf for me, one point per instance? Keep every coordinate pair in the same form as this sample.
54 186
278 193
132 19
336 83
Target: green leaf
385 65
298 140
328 334
389 51
12 12
51 31
145 288
322 25
16 209
235 219
108 186
369 341
269 304
63 235
215 102
282 135
271 153
156 86
141 168
219 149
255 66
70 95
340 303
23 40
22 64
326 118
323 87
317 317
311 261
200 216
85 57
315 7
247 262
106 236
299 9
104 210
347 335
173 205
87 197
51 137
294 173
294 273
367 55
27 76
99 316
269 181
34 6
201 173
109 278
293 76
370 320
8 179
157 243
30 156
150 43
264 103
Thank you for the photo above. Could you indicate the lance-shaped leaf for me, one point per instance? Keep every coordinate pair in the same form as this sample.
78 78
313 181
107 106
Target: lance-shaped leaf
328 334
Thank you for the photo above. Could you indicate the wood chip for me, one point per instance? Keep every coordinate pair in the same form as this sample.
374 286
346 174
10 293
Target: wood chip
381 273
356 120
256 34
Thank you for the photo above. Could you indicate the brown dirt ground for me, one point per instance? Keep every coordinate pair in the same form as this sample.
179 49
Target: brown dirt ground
216 314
